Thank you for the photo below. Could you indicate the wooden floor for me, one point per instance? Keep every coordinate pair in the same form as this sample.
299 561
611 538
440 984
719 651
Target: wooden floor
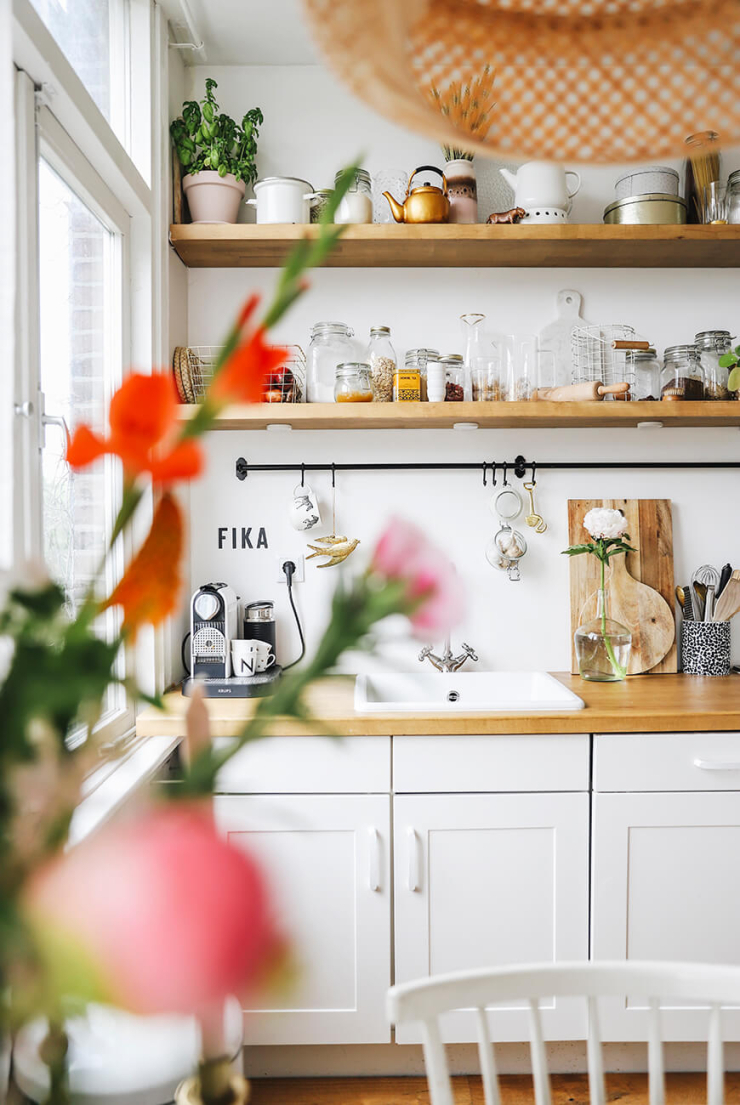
627 1089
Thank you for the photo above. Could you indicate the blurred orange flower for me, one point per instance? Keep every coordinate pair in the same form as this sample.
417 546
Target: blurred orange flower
242 377
149 589
142 418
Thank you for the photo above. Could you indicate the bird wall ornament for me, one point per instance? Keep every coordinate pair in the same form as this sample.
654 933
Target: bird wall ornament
337 549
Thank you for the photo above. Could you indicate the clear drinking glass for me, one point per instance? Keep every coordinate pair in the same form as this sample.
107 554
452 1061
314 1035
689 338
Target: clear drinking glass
523 367
715 202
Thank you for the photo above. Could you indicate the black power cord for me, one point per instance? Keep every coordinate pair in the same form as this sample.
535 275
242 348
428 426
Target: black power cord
289 570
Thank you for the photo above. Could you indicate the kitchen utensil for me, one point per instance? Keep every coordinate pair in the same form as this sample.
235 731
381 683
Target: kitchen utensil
705 648
650 179
304 509
683 594
425 204
651 533
706 574
581 393
541 188
555 338
283 199
249 657
604 354
700 596
259 623
729 602
507 505
656 209
533 519
723 578
709 604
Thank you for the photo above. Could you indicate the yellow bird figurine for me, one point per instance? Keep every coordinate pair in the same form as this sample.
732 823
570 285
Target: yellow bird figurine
337 549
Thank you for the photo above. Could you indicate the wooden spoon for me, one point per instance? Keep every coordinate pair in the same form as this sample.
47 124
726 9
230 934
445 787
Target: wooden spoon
728 603
643 610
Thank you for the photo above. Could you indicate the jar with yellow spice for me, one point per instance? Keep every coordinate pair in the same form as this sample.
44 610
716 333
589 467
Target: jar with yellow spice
352 383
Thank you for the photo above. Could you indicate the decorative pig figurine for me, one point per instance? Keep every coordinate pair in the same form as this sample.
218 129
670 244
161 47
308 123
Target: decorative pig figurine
512 216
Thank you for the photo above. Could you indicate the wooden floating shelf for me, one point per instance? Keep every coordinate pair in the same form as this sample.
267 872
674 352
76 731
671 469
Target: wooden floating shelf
379 245
502 416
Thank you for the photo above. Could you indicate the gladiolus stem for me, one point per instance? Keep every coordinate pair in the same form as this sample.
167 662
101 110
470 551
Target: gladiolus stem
53 1052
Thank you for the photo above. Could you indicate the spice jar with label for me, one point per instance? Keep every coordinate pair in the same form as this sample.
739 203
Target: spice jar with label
356 205
416 360
352 383
407 385
682 376
647 375
454 378
381 357
712 344
331 344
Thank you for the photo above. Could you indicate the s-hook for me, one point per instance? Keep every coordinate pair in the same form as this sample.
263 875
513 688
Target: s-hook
506 482
303 475
485 481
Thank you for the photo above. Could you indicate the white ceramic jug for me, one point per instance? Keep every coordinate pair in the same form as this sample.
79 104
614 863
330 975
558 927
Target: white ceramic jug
540 185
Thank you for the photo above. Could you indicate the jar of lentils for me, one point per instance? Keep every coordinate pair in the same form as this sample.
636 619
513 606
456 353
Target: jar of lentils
682 376
711 345
381 357
416 361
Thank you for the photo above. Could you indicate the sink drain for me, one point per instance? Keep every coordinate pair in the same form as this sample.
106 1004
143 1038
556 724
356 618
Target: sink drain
453 696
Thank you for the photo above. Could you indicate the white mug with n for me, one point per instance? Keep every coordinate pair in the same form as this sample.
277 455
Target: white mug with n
251 657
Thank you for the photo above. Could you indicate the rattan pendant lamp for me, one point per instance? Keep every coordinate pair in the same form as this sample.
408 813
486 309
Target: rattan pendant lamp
575 80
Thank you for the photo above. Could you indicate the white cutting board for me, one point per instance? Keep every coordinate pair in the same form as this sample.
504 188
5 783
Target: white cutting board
555 338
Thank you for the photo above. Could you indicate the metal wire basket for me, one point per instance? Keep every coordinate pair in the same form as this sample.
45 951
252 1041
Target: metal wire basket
193 368
605 354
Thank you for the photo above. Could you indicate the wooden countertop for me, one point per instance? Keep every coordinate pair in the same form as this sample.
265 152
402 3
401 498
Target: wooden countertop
641 704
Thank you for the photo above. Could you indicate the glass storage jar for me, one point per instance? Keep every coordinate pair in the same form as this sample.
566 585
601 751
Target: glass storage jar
331 344
682 376
455 376
352 383
356 206
647 375
381 357
711 345
320 203
733 198
416 360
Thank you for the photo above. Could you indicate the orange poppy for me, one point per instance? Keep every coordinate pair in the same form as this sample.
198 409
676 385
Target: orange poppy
142 418
149 589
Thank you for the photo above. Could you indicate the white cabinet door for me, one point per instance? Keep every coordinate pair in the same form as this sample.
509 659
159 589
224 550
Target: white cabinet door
484 880
666 885
328 857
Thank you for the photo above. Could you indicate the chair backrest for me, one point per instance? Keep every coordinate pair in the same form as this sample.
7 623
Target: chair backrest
426 1000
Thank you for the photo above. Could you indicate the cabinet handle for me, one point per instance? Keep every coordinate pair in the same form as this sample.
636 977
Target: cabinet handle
374 876
717 765
414 860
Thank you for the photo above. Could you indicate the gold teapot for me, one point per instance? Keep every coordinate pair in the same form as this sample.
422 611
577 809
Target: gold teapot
427 204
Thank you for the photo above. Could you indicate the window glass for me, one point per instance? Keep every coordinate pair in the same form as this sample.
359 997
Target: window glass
86 32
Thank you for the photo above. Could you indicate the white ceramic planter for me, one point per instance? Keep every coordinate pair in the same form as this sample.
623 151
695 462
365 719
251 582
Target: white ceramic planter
212 198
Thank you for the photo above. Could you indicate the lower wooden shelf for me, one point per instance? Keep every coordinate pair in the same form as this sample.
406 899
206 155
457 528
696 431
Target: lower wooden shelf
436 416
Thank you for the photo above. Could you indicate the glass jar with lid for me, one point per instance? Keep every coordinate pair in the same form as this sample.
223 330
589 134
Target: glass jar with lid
682 376
320 202
381 357
455 377
352 383
711 345
331 344
356 206
647 375
733 198
416 360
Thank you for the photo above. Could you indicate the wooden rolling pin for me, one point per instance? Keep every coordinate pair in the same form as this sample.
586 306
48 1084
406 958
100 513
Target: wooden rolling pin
581 393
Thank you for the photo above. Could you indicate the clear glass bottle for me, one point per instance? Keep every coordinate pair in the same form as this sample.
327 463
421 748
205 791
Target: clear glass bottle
455 377
352 383
682 376
356 206
381 357
473 327
416 360
603 646
733 198
647 375
711 345
331 344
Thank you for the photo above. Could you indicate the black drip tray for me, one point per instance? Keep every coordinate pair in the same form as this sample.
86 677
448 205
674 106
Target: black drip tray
239 686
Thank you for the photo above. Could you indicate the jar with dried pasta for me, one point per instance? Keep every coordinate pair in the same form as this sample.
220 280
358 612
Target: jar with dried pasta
381 357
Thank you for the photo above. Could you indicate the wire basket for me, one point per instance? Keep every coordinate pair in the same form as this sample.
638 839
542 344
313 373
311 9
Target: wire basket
596 360
193 370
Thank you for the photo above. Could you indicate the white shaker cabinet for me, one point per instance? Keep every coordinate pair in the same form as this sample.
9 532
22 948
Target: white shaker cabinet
487 880
328 857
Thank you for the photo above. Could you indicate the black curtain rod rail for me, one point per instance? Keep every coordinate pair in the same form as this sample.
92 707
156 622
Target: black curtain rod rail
518 467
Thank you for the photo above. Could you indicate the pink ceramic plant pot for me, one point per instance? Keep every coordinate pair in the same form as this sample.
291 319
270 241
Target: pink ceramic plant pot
463 191
212 198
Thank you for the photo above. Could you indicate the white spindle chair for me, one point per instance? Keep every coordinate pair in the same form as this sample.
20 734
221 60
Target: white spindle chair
426 1000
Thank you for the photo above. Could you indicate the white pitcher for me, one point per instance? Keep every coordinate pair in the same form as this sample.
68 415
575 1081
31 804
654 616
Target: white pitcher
541 188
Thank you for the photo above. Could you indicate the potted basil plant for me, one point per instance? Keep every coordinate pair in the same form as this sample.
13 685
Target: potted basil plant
218 155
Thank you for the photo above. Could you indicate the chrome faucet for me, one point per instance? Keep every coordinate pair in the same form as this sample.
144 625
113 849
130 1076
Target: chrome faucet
447 662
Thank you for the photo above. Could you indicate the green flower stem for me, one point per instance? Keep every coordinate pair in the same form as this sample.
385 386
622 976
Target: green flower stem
616 666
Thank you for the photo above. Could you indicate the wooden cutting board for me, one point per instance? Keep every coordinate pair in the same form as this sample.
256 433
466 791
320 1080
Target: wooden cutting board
651 532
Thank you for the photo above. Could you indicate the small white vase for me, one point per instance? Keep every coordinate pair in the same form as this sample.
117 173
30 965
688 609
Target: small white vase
463 191
213 198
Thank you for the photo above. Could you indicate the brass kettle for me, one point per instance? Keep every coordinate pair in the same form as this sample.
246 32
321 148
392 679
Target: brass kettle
427 204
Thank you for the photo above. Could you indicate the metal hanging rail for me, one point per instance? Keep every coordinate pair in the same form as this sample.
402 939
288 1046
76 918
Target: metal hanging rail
518 467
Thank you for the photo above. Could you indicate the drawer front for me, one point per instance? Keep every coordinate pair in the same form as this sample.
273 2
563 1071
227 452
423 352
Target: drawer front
499 763
666 761
308 765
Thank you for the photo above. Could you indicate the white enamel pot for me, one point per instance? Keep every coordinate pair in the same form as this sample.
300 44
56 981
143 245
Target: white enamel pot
282 199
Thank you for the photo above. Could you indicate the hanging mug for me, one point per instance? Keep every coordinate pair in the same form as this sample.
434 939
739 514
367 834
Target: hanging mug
304 509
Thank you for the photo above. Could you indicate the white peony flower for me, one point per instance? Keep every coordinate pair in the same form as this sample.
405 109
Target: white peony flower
603 522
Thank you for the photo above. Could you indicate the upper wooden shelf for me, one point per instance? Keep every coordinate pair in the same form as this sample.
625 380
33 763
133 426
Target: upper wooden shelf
379 245
435 416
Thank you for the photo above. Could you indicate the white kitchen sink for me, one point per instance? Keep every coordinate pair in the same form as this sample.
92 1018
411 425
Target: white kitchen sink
468 692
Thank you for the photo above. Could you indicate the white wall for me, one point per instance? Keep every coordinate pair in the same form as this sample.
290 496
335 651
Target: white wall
313 126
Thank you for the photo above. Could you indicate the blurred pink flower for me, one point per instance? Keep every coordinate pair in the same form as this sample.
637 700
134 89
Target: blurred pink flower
434 590
157 914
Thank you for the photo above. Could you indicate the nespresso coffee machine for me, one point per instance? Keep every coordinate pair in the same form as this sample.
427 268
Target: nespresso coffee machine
213 626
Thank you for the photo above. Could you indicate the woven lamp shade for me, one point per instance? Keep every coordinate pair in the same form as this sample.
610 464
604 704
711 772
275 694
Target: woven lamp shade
574 80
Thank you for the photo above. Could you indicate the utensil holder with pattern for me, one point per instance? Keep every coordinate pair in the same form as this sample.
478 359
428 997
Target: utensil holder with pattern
705 648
